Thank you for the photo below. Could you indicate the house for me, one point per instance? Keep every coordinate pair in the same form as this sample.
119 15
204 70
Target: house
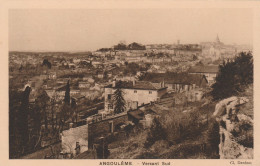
84 84
124 78
210 72
177 82
109 74
100 75
135 93
96 63
188 51
52 75
60 91
43 76
72 65
78 98
88 79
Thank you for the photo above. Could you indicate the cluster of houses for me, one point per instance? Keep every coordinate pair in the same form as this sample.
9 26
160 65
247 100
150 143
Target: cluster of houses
140 91
139 97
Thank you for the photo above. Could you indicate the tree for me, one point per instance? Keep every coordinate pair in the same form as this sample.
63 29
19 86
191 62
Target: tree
14 110
37 117
233 76
42 102
102 150
213 137
46 63
74 115
64 115
118 99
23 118
67 94
105 74
52 114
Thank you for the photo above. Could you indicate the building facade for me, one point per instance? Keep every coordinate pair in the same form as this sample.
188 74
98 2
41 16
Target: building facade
134 93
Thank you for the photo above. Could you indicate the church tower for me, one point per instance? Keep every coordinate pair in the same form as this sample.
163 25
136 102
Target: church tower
217 40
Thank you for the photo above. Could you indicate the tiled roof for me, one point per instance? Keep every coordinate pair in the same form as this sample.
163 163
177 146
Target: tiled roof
137 114
203 69
174 78
138 85
72 87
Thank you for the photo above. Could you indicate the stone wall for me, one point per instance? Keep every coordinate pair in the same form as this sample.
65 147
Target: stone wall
105 127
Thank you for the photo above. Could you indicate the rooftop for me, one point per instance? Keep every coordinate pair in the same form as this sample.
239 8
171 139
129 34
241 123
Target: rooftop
138 85
174 78
203 69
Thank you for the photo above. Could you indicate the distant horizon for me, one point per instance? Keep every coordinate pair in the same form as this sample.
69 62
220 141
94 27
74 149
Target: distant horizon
75 51
78 30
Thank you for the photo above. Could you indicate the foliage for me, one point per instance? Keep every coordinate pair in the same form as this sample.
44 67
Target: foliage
233 76
64 115
102 150
46 63
213 137
23 118
42 102
14 108
133 68
156 133
132 46
118 99
180 126
67 93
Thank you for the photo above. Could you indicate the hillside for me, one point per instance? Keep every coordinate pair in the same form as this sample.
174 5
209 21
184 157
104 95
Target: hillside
185 128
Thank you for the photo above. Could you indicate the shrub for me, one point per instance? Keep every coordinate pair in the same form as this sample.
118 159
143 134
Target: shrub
213 137
180 126
233 76
156 133
223 124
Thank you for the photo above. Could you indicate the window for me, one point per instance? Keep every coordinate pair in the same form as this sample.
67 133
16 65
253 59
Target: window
135 91
109 96
110 106
150 92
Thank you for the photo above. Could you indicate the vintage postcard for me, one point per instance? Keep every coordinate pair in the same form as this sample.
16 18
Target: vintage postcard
130 83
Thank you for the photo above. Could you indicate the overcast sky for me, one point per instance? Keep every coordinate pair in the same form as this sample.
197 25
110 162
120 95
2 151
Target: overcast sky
90 29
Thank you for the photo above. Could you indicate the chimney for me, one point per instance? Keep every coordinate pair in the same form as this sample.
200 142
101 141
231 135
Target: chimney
70 125
134 82
193 86
114 83
163 84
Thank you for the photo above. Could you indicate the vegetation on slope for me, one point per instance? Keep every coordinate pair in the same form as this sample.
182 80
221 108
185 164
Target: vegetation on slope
173 135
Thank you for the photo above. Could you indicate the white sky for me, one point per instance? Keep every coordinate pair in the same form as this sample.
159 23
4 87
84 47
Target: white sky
90 29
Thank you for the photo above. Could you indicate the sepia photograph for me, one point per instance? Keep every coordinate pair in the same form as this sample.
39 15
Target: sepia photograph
131 83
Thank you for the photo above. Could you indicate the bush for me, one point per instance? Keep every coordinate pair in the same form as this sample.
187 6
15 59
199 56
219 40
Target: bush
180 126
213 137
156 133
223 124
233 76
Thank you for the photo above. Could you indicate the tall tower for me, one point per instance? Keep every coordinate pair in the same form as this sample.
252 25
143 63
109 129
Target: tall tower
217 39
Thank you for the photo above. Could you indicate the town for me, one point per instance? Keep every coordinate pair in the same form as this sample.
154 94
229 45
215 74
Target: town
126 101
